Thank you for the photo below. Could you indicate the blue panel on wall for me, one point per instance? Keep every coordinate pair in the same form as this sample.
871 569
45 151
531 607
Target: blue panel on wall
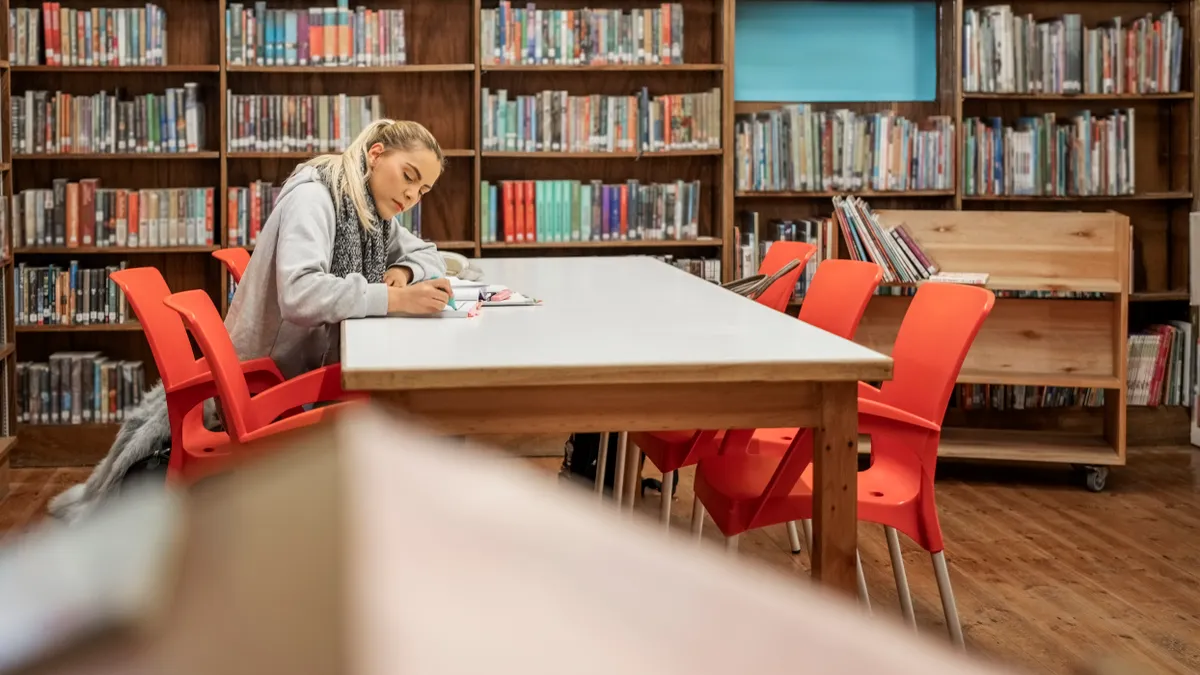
835 51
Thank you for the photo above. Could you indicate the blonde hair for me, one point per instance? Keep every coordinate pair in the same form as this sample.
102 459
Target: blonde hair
348 172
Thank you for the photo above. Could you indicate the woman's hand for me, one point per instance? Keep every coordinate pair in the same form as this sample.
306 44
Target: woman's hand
427 297
398 277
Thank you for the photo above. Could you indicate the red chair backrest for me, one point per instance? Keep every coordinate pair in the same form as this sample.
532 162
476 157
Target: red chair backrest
145 289
937 332
838 295
235 259
204 321
779 294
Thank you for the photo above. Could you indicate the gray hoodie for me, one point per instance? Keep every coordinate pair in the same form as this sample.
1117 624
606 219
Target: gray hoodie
288 305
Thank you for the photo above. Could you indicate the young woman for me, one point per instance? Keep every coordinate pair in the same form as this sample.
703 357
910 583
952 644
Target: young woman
330 250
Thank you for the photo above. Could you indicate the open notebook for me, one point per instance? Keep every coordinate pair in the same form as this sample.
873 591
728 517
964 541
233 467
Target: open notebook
491 295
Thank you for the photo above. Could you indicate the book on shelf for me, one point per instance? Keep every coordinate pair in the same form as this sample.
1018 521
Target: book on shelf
55 122
82 213
965 278
533 35
1087 155
797 148
78 388
232 288
1160 368
6 240
317 36
54 35
1023 397
755 238
298 122
892 248
53 295
247 210
570 210
1005 52
708 269
555 121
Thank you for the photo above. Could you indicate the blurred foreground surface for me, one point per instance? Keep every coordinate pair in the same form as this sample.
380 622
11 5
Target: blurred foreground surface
356 552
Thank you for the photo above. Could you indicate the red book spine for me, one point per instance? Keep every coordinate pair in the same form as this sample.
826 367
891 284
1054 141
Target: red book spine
520 209
530 211
134 214
209 221
510 233
624 192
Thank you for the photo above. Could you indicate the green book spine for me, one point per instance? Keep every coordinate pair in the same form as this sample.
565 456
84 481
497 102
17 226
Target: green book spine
483 211
575 220
564 210
585 211
540 205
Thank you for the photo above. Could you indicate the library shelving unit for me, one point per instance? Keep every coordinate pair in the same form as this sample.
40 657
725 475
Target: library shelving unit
439 86
8 358
1167 135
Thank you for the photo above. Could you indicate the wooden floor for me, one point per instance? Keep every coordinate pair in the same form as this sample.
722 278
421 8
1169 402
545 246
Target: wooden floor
1049 577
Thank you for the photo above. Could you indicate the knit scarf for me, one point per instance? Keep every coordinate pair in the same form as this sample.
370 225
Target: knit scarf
356 250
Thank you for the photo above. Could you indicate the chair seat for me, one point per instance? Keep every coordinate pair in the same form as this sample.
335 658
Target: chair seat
730 485
667 450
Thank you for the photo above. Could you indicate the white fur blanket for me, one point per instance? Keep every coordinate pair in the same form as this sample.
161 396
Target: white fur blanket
145 431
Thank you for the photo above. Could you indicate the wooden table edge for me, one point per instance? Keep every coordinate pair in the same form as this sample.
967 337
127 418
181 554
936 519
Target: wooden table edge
381 379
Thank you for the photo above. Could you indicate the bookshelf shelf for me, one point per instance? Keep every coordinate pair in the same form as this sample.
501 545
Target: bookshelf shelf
1019 445
1133 97
356 70
1160 296
866 194
112 250
7 350
603 155
1178 195
108 157
82 328
106 70
708 242
608 68
305 155
464 244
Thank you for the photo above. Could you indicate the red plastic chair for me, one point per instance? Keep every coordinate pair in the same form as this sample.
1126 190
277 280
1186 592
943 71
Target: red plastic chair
235 259
835 302
747 490
251 418
779 294
187 381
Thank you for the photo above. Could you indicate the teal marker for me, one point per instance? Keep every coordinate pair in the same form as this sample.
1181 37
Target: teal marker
451 302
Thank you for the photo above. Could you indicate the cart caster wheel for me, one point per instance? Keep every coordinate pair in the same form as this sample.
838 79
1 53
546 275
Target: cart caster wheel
1095 477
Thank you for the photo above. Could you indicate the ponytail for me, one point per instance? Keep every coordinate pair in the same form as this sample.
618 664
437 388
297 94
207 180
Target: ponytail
348 172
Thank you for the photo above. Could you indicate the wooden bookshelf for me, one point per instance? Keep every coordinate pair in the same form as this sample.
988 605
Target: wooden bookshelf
441 85
8 352
1031 341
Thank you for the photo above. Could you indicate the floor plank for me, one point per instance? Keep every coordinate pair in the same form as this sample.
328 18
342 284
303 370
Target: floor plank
1048 576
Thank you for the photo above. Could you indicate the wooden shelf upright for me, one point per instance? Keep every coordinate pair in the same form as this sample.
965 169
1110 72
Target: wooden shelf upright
8 352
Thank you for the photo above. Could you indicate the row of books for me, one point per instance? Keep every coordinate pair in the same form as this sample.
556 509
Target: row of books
318 36
531 36
247 210
555 121
1023 397
1159 368
71 295
78 388
54 35
298 122
755 235
892 248
708 269
1007 53
569 210
1086 155
798 148
978 279
81 213
60 123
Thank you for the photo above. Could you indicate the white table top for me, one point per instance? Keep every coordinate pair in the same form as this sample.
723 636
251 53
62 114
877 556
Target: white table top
610 319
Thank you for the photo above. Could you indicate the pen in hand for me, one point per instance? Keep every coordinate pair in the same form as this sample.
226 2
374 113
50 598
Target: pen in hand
451 300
